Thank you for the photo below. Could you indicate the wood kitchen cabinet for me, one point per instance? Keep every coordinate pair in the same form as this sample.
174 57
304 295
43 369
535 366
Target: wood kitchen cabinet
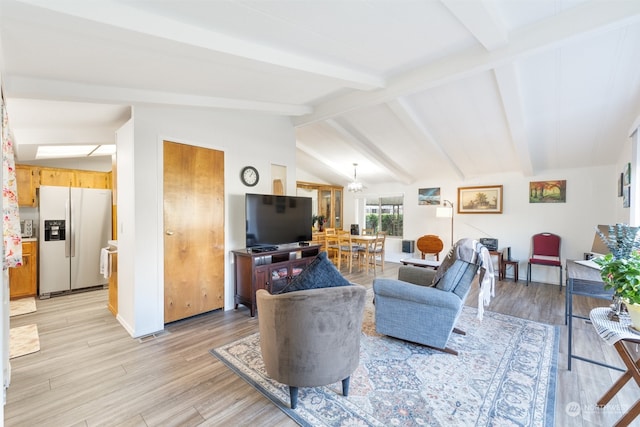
57 177
29 178
23 280
268 270
92 179
113 284
74 178
27 182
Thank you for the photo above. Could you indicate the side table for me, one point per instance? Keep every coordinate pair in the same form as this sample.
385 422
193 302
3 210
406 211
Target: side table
584 281
500 261
418 262
615 334
513 263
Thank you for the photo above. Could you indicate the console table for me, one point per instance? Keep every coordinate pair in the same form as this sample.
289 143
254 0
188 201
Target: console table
268 270
585 281
616 334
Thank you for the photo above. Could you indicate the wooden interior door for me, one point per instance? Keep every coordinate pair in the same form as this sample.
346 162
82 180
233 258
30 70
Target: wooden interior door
194 230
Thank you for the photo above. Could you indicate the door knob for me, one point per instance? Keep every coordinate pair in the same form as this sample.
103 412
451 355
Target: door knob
169 233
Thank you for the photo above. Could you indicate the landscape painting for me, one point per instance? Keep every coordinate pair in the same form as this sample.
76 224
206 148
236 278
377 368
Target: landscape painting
429 196
548 191
485 199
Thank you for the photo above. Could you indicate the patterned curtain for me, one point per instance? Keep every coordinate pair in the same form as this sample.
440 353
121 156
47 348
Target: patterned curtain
11 215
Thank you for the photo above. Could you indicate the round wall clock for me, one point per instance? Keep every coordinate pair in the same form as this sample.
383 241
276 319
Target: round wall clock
249 176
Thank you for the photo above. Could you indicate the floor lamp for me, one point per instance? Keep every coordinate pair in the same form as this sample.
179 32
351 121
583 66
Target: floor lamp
446 212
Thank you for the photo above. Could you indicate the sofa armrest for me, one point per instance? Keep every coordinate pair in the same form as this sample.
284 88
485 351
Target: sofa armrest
416 275
398 289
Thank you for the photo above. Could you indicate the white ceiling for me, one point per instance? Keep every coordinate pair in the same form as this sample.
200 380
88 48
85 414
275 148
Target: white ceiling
408 89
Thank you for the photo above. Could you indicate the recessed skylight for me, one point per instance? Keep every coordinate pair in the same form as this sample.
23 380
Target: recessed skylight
104 150
62 151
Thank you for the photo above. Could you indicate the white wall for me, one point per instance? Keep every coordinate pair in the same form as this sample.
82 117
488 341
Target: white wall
126 197
245 138
591 200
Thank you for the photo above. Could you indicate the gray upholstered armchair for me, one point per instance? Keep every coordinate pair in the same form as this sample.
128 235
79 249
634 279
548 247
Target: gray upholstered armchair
411 309
311 337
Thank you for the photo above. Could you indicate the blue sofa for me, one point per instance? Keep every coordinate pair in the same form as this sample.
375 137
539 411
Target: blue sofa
410 309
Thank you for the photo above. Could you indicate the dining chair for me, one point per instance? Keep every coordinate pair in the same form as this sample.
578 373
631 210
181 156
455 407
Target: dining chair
320 237
377 254
365 250
332 243
430 244
545 250
348 250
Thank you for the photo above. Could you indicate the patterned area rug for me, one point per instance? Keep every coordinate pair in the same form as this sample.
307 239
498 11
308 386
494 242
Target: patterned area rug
23 340
505 375
22 306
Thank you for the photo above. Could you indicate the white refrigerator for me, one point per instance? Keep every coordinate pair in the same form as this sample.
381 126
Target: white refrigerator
75 224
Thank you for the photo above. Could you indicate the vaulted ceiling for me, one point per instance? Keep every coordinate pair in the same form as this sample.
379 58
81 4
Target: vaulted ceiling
410 90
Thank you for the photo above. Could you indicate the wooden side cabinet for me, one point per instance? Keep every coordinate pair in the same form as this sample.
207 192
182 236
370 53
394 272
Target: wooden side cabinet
27 182
268 270
23 280
113 284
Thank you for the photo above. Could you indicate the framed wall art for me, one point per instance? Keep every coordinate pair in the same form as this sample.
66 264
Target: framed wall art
626 197
481 200
429 196
548 191
620 184
627 174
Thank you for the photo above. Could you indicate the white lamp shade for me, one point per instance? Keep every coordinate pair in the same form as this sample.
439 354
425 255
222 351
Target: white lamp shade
444 212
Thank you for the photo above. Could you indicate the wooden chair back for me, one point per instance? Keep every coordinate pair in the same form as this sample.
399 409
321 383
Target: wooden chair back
430 244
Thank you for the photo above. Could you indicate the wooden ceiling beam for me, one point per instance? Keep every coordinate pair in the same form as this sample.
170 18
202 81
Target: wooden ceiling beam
576 23
128 18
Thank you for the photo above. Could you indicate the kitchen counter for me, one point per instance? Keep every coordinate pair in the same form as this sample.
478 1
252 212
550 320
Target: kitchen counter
29 239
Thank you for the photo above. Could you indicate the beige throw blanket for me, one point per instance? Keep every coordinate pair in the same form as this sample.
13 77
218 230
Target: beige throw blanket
472 251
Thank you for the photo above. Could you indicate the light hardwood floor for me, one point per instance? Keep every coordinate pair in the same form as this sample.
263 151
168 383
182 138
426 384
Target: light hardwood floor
90 372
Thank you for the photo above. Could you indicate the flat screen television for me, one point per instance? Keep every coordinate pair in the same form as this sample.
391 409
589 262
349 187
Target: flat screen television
277 220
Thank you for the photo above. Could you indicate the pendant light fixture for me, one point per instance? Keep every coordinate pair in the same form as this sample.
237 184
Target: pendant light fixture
354 186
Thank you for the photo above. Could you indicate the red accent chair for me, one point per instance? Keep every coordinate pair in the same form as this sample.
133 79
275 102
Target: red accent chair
545 251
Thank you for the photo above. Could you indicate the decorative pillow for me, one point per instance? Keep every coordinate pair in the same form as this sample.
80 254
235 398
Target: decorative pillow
321 273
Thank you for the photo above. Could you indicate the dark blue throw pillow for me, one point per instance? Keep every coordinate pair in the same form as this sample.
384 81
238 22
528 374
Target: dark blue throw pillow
321 273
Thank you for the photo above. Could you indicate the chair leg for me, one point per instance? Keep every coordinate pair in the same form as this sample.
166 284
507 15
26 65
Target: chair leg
350 262
528 273
560 279
293 395
345 386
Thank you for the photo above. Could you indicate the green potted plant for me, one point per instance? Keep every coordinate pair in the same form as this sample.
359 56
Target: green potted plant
320 220
620 269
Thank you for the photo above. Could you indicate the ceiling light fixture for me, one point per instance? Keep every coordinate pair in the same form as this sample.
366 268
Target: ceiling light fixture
355 186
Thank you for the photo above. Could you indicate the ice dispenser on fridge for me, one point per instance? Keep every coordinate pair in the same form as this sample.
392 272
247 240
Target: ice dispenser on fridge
54 229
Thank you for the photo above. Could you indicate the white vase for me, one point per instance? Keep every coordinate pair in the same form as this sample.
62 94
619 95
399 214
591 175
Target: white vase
634 313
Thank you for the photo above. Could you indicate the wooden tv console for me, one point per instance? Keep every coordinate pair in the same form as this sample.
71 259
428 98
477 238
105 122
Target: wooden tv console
268 270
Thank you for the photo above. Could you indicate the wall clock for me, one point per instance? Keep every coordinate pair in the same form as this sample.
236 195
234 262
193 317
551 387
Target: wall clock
249 176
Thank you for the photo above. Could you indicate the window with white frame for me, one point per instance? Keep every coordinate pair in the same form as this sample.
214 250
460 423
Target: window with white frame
385 213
